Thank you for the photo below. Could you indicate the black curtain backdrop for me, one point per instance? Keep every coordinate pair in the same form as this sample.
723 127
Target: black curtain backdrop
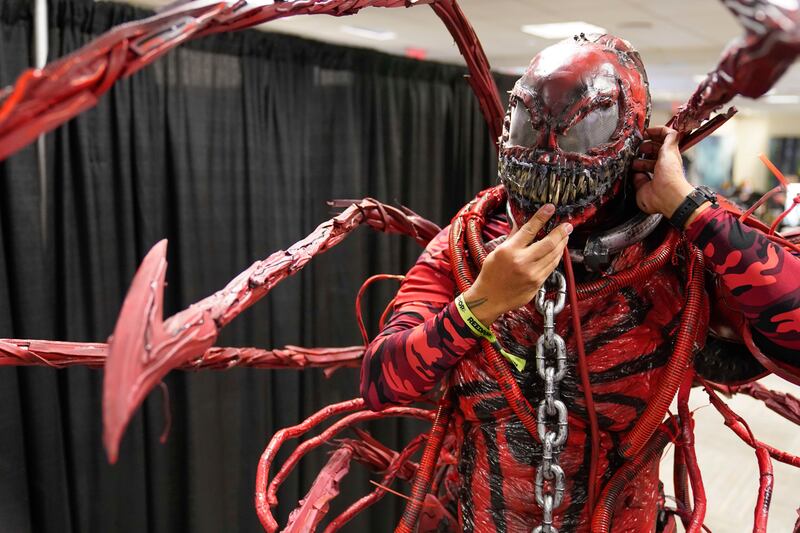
229 147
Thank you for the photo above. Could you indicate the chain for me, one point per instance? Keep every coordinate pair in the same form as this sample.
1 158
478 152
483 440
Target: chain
551 417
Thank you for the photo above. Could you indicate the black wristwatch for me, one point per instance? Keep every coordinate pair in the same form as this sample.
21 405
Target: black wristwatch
693 200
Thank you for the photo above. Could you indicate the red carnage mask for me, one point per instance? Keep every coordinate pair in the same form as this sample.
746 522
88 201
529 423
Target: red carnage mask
574 122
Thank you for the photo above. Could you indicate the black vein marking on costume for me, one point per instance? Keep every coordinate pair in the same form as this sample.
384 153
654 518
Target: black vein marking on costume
622 399
497 498
466 468
655 359
638 308
603 421
615 460
578 491
486 408
521 445
475 388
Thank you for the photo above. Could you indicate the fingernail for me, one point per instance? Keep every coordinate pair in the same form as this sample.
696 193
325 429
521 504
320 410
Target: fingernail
548 209
568 228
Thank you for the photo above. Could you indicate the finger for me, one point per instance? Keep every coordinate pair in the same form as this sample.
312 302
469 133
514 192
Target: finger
670 141
528 231
658 133
643 165
553 239
549 262
649 147
640 179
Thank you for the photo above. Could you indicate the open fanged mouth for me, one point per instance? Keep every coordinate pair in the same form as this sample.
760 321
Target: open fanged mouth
537 178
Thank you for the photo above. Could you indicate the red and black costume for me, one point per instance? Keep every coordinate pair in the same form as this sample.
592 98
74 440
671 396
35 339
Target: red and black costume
627 343
644 299
629 334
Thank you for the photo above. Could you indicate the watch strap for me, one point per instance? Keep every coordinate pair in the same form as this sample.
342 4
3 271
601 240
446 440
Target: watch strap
690 204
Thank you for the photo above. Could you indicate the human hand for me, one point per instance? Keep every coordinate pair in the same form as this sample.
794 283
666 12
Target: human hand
660 183
514 271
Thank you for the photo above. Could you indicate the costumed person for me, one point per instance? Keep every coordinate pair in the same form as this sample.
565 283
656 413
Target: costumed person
569 171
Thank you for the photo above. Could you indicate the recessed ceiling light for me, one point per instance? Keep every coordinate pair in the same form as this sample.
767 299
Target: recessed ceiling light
369 33
782 99
561 30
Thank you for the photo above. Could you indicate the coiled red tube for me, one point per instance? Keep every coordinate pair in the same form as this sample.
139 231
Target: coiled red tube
505 379
422 481
673 375
604 512
649 265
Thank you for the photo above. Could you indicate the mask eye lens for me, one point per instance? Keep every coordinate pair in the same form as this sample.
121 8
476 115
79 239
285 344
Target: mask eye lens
521 132
594 129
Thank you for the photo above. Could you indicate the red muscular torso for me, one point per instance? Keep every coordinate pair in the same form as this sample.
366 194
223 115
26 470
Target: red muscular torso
628 341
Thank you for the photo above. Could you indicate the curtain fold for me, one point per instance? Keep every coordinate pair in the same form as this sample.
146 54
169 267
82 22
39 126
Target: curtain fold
229 147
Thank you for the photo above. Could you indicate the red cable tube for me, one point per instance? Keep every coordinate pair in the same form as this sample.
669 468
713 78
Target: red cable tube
364 286
742 430
386 313
744 217
265 499
422 481
265 462
673 375
780 217
648 266
336 428
680 479
765 482
687 448
373 497
604 512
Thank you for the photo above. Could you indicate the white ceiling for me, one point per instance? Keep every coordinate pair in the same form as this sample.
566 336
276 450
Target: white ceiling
678 39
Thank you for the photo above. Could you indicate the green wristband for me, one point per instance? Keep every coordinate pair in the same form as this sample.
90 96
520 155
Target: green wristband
477 327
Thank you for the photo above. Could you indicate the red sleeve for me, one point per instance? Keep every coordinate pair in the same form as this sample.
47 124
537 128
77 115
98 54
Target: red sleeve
425 337
760 277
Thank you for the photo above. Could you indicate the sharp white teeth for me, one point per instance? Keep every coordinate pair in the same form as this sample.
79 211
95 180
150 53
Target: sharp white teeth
557 193
552 187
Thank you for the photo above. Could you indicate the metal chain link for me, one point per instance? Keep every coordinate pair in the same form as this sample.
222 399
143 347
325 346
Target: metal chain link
551 418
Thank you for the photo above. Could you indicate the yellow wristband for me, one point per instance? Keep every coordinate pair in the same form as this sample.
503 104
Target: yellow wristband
477 327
